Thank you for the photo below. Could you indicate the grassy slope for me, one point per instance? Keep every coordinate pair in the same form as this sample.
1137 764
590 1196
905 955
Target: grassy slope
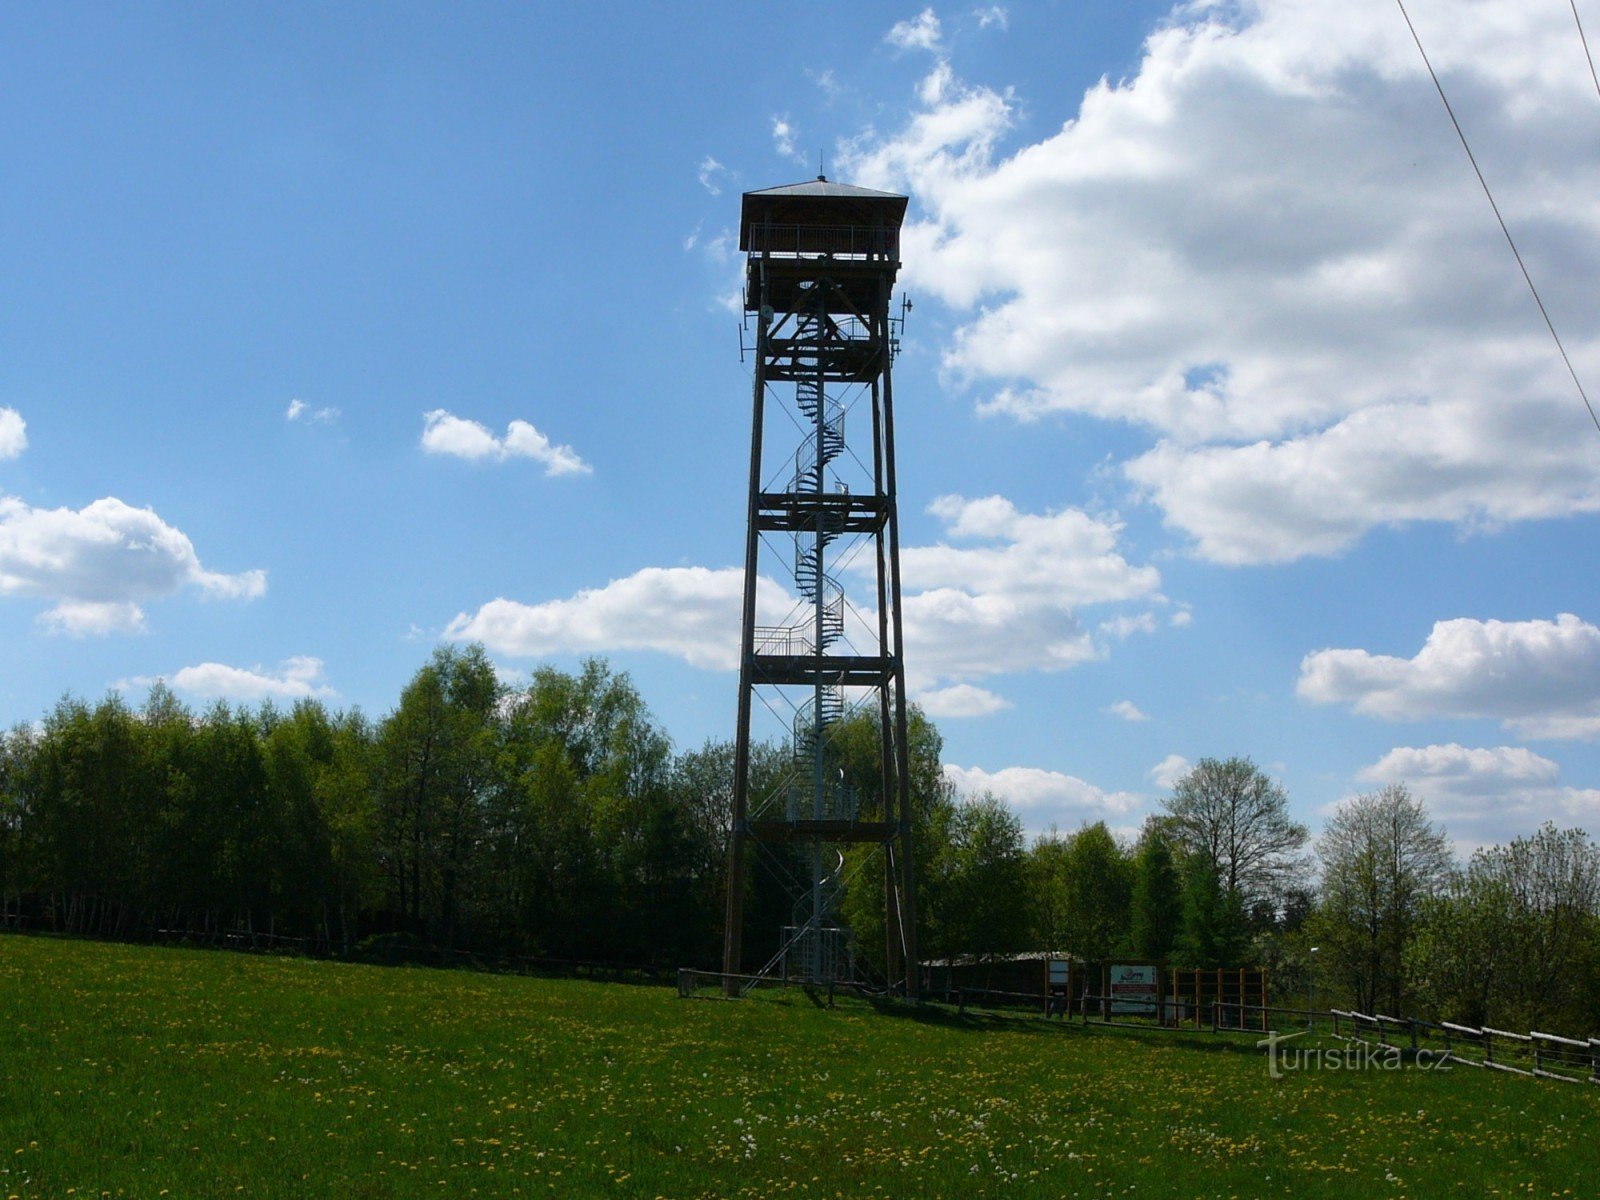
145 1072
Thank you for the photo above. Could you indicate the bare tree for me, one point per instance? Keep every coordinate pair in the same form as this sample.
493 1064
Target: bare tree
1237 819
1382 859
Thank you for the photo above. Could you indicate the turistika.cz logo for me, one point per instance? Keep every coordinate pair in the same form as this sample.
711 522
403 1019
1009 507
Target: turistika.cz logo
1351 1056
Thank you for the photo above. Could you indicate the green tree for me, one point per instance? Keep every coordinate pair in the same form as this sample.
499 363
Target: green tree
1082 887
1513 938
607 860
1213 929
1236 818
853 747
437 755
1382 859
1157 904
982 875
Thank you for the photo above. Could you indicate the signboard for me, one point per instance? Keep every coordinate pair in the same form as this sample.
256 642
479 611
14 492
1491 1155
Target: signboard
1133 988
1060 972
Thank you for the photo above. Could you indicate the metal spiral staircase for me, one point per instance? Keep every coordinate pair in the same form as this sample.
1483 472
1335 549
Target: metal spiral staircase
811 950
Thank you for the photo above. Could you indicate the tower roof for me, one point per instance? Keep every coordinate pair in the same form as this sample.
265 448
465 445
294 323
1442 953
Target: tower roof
820 202
823 186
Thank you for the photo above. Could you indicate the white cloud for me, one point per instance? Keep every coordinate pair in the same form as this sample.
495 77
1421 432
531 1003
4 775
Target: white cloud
299 410
1127 625
1044 798
783 139
1127 710
1540 678
13 433
712 175
1064 558
1166 773
993 17
297 678
690 612
1181 619
93 618
100 563
962 700
1440 460
827 83
1266 249
1001 599
445 433
1486 796
1000 593
921 32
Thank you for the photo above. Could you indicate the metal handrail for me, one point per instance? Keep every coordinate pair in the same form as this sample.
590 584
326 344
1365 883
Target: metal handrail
852 240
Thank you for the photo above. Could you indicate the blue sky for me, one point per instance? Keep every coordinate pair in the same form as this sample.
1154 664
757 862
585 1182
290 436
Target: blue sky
1227 425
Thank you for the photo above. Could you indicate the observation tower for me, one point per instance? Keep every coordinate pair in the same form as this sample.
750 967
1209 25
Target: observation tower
821 261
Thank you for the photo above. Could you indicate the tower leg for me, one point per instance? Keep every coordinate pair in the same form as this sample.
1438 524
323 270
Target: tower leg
733 921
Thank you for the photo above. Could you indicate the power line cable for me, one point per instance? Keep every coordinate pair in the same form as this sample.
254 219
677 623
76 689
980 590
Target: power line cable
1585 39
1510 241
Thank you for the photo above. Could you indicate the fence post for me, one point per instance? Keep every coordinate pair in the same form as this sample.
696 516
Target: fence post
1215 1006
1413 1021
1538 1058
1488 1046
961 1001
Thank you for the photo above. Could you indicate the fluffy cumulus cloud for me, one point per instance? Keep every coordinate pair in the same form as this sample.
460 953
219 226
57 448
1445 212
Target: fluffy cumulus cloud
993 16
99 564
1486 795
1046 798
1000 592
13 433
1266 249
783 139
298 678
1166 773
1128 711
921 32
961 700
999 595
690 612
1540 678
445 433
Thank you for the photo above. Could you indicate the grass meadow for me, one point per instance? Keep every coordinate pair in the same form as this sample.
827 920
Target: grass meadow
148 1072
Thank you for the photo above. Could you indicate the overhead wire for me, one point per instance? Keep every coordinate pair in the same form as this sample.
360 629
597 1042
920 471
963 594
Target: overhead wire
1504 228
1584 38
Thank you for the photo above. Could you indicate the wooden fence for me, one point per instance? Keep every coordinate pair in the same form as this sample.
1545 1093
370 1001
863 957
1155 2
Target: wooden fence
1545 1055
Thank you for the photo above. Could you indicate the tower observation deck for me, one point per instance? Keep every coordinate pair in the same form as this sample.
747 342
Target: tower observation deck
821 261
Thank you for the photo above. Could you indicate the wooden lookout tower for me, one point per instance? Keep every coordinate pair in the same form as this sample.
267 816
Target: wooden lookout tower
821 264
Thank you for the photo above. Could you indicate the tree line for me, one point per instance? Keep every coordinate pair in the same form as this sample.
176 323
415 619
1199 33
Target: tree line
553 820
556 820
1375 913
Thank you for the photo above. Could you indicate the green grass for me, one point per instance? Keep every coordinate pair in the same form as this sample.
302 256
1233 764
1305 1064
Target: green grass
130 1071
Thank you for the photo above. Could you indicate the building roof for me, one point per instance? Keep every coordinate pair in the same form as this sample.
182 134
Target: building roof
823 186
820 202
